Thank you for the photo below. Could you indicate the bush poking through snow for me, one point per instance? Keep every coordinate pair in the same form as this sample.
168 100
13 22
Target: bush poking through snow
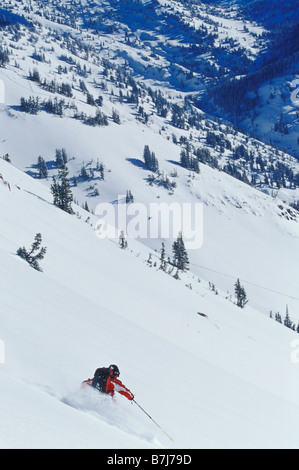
35 254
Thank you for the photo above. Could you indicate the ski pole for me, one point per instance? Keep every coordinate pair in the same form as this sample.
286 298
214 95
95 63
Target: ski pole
153 420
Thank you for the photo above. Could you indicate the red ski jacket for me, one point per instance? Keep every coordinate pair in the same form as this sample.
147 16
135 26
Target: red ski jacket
113 385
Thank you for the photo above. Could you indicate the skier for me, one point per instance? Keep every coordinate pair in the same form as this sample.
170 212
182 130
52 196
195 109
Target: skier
106 381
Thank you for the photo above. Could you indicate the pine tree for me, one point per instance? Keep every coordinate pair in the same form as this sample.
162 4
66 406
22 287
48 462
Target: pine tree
287 321
122 241
101 169
42 168
150 159
240 294
7 158
129 197
185 159
188 161
35 254
61 158
83 173
30 105
180 255
4 57
278 317
66 193
163 258
34 76
62 195
115 116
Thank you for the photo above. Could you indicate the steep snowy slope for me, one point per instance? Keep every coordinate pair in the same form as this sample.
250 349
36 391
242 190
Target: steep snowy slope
223 381
249 253
276 121
143 60
252 224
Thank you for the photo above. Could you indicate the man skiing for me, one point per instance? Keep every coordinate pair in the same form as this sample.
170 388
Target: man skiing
106 381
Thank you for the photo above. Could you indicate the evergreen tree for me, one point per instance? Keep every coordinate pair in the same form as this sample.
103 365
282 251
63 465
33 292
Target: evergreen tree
7 158
4 57
287 321
54 106
240 294
83 173
150 159
278 317
62 195
177 117
90 99
30 105
185 159
115 116
129 197
34 76
188 161
180 255
35 254
61 158
99 101
100 119
122 241
101 169
42 168
163 258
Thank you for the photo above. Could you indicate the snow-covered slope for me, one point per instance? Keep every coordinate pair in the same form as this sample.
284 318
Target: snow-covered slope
225 379
276 121
252 223
222 381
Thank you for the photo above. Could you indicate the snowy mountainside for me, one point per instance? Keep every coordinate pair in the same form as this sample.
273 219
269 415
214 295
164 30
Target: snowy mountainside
90 83
263 99
68 67
277 120
273 13
57 325
131 66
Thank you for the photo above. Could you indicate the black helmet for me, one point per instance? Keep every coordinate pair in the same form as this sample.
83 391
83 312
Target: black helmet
114 370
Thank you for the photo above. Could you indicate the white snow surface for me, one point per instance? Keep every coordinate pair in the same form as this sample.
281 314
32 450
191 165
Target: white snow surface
227 380
223 381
